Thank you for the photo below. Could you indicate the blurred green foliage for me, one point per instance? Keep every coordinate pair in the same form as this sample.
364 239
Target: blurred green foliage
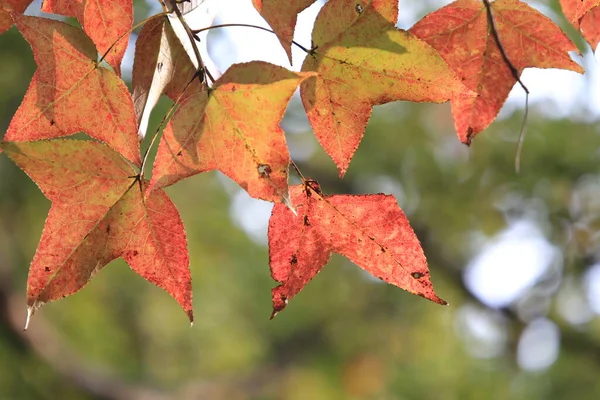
345 336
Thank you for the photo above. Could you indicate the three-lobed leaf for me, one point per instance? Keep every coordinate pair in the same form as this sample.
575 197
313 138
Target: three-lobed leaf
363 60
70 93
460 32
100 211
371 230
233 127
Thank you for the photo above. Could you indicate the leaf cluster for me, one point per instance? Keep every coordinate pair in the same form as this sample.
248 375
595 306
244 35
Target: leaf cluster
469 52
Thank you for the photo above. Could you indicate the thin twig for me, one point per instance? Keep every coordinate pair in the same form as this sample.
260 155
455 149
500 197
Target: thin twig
162 124
515 73
190 34
249 26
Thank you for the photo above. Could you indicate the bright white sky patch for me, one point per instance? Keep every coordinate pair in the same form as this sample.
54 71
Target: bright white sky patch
509 264
539 345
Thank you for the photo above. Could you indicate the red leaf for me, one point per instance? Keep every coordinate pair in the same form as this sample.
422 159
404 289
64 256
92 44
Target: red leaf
99 213
233 127
282 18
585 16
363 60
11 6
69 93
105 22
371 230
460 33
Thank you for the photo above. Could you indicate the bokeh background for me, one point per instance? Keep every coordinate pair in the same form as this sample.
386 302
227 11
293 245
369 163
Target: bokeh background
515 255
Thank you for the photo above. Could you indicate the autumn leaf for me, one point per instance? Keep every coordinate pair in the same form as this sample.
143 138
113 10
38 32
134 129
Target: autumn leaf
68 8
363 60
104 21
461 34
282 19
585 16
233 127
99 213
371 230
161 66
11 6
70 93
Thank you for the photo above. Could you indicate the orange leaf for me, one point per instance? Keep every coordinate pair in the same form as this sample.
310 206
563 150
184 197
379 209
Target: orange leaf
585 16
371 230
161 65
99 213
282 18
460 33
233 127
69 93
69 8
105 21
11 6
362 61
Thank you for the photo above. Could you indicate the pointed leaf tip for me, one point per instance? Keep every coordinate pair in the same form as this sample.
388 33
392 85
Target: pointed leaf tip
370 230
117 221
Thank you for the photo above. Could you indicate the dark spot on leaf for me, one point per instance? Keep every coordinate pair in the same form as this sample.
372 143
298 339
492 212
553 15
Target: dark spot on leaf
264 170
470 133
417 275
294 260
52 122
233 88
135 253
47 269
159 66
421 295
306 222
383 249
179 154
359 8
108 229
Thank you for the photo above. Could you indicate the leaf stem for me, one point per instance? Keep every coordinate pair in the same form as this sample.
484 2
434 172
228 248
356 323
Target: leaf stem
307 51
515 73
190 34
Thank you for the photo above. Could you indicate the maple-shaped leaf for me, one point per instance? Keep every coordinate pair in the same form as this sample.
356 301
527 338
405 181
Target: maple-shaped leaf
70 93
233 127
11 6
362 60
105 21
370 230
585 16
99 213
161 65
460 32
282 18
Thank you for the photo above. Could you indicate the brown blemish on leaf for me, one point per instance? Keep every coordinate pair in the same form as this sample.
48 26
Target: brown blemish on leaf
264 170
417 275
306 221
